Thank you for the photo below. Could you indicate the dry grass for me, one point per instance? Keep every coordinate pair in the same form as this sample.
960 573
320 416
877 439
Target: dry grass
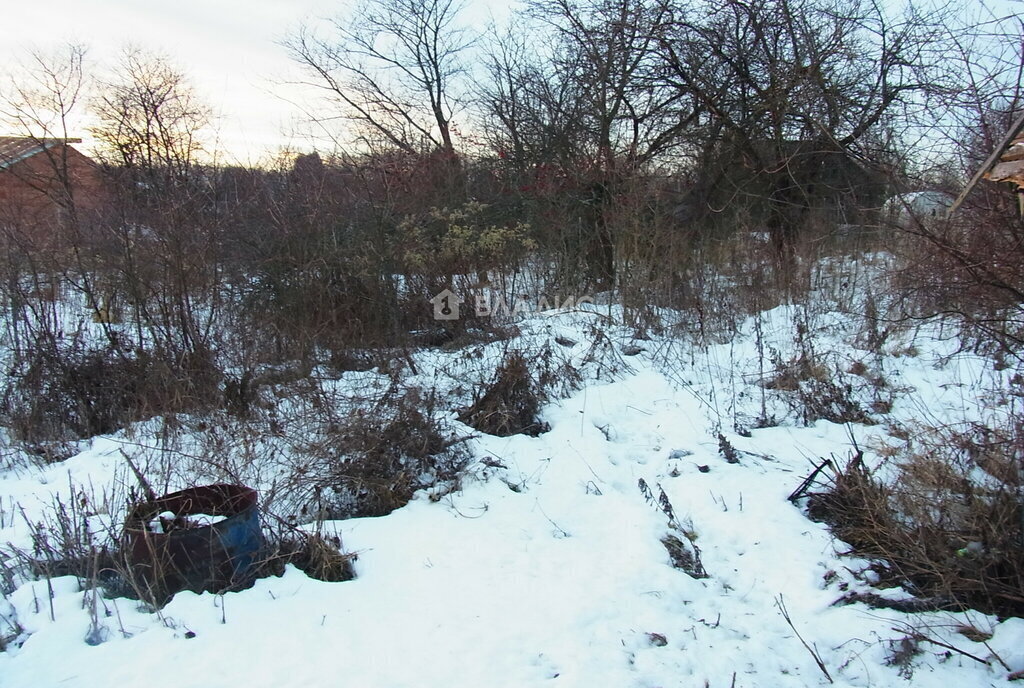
370 460
816 390
510 403
66 392
941 530
318 556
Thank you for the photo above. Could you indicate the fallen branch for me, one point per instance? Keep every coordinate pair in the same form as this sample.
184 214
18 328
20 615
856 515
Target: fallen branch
923 638
814 653
908 606
147 489
801 490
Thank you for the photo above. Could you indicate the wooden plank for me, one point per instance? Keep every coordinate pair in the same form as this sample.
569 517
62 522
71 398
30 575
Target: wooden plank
1016 152
1007 172
1010 135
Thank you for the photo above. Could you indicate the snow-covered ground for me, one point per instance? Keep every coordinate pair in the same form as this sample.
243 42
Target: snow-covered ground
546 567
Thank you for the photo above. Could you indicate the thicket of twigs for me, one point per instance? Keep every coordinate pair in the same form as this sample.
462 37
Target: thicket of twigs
949 528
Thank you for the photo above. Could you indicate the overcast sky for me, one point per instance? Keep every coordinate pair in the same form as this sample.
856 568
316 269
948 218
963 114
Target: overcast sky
230 49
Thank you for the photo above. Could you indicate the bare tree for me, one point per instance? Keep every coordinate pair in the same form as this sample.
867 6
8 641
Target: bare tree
612 49
532 110
392 68
595 104
969 265
165 234
984 95
39 102
39 99
799 97
149 117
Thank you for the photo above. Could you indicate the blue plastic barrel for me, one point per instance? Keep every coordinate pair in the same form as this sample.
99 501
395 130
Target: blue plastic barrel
219 557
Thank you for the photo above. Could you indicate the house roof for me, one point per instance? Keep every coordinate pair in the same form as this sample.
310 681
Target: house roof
14 149
1010 167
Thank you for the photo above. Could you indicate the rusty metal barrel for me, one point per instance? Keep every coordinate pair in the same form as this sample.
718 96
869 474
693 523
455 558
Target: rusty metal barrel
218 557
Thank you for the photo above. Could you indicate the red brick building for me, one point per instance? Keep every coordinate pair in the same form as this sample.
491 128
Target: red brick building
47 188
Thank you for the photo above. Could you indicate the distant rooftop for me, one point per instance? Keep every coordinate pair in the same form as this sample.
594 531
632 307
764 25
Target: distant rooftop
16 148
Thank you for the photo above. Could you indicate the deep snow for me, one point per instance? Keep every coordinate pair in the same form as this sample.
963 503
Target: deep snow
550 571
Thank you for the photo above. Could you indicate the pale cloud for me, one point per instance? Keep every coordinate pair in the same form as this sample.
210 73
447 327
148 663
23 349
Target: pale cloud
230 49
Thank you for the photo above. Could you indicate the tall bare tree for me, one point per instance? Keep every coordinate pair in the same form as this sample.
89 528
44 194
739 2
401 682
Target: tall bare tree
800 96
595 104
391 68
150 119
165 238
612 49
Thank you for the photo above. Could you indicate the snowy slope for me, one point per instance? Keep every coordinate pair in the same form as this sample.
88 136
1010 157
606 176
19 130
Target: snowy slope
551 571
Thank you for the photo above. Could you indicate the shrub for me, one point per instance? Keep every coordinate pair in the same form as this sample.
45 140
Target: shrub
815 390
66 392
510 403
461 240
66 542
969 268
949 526
372 461
317 555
